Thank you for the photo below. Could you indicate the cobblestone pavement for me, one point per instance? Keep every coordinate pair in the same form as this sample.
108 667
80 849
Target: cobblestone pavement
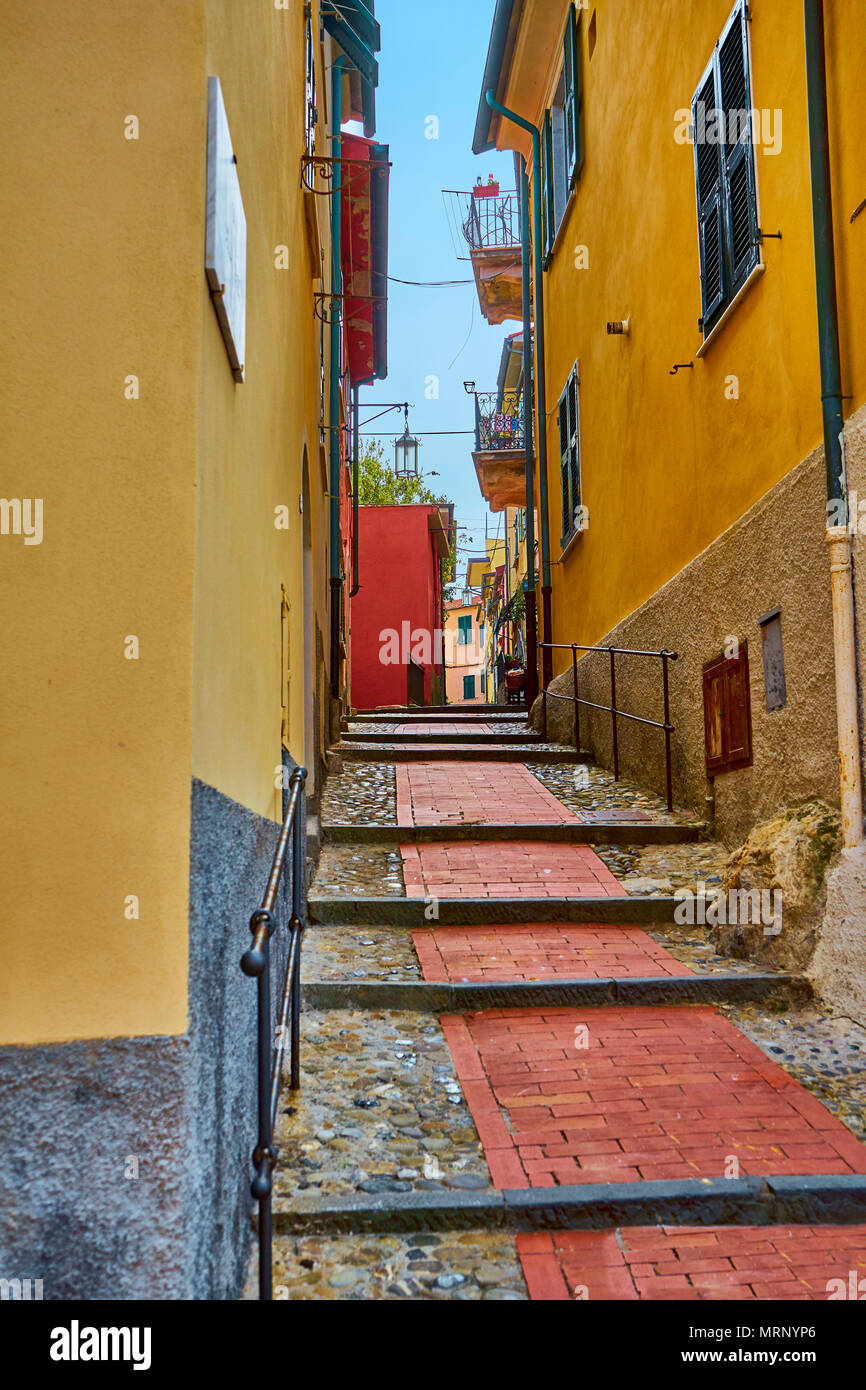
354 953
362 794
592 792
380 1110
359 871
468 726
466 1267
653 871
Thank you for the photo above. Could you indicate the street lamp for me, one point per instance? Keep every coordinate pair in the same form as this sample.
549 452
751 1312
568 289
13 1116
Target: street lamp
406 454
469 387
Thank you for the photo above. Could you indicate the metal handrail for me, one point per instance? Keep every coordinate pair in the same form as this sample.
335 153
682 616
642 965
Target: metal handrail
256 963
669 730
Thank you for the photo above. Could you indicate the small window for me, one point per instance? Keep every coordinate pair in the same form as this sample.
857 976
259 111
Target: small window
561 149
728 713
569 459
773 653
469 687
725 171
464 631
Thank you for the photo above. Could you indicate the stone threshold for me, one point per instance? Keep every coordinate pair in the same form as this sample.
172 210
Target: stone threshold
480 712
791 1200
609 832
524 740
470 912
472 753
456 998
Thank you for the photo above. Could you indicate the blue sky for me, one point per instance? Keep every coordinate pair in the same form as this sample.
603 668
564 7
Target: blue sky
431 64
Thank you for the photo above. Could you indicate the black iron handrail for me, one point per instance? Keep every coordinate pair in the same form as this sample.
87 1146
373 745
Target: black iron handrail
669 730
256 963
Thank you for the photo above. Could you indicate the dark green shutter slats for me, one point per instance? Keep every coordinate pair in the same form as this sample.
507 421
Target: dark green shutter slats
738 153
572 98
549 209
708 177
725 171
569 456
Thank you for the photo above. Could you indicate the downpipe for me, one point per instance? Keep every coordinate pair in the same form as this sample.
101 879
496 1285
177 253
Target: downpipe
335 540
838 536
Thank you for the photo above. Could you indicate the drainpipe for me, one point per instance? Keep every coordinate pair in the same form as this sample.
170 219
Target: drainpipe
528 413
547 655
356 391
334 397
838 537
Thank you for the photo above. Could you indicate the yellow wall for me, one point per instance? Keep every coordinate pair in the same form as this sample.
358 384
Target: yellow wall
251 437
668 463
158 512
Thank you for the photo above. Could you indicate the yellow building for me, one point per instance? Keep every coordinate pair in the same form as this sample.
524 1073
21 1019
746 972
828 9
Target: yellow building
679 358
168 617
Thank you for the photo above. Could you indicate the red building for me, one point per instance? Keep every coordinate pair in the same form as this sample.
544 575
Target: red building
397 647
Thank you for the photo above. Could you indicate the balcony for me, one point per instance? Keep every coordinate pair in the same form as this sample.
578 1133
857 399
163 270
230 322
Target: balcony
500 448
489 223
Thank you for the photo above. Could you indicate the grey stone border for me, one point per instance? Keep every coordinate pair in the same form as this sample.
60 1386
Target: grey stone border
448 998
403 713
527 740
797 1200
392 753
470 912
562 833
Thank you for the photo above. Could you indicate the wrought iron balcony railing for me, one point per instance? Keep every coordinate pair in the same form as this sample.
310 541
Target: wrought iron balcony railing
500 423
488 219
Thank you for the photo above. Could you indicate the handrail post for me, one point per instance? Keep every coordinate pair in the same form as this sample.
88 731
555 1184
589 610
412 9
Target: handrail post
576 701
667 701
613 711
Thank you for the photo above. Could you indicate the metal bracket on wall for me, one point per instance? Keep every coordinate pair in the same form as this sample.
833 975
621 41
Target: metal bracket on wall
321 166
681 367
336 304
761 237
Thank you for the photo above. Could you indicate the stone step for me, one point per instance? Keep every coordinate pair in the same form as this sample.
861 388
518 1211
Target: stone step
467 912
791 1200
476 752
526 739
608 832
482 712
443 998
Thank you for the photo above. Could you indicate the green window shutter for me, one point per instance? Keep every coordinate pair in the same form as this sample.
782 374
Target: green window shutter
573 447
547 179
738 158
469 687
564 468
709 186
464 632
572 97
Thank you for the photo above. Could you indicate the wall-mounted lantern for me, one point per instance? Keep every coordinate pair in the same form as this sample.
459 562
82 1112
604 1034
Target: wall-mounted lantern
406 448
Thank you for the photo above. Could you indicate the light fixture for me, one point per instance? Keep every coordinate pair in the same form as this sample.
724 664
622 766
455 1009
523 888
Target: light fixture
406 453
469 388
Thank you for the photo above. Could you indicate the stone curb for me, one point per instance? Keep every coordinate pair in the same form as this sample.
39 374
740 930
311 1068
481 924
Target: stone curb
561 832
472 754
769 1201
524 740
468 912
441 998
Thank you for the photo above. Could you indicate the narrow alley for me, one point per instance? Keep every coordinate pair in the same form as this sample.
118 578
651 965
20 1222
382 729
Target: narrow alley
518 1081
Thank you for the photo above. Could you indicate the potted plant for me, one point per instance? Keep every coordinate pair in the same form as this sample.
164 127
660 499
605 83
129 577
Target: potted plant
515 679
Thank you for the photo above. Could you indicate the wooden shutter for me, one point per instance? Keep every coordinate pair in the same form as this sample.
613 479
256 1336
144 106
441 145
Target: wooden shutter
572 98
709 183
549 208
738 153
574 446
728 713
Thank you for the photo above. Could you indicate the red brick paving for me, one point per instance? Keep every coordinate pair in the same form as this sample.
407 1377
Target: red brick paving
439 729
451 793
534 952
693 1263
657 1093
507 869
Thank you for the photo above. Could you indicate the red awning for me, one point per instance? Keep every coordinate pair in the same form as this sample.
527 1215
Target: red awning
365 171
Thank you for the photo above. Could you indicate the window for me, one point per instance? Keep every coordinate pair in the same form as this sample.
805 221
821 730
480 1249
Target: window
561 152
773 652
469 687
312 116
725 172
464 631
569 458
728 713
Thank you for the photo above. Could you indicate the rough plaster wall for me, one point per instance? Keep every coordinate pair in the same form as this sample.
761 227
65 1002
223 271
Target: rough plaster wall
776 555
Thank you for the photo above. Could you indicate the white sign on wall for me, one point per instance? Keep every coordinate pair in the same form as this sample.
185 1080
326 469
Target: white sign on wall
226 238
